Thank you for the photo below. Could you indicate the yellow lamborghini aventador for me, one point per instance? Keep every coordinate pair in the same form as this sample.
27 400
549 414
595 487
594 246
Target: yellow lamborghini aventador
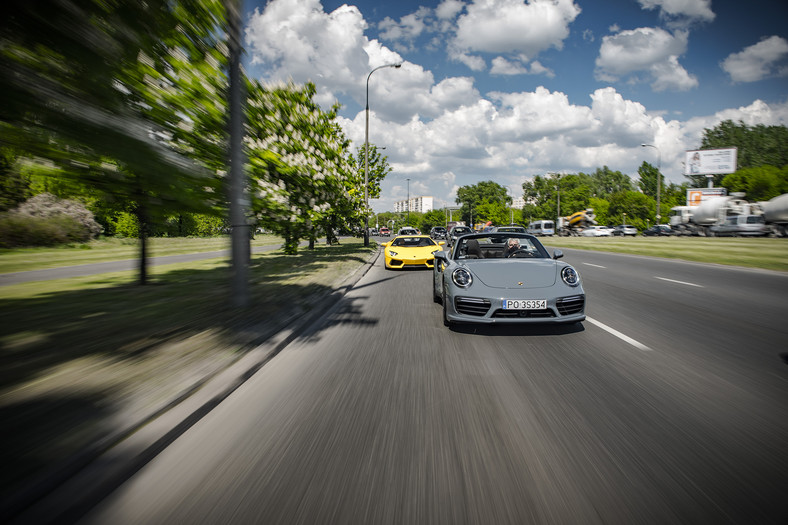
410 250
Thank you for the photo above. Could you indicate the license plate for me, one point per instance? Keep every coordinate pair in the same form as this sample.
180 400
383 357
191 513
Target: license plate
525 304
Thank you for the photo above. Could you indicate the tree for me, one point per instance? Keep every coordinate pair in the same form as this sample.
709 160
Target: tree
470 197
299 162
756 146
102 96
759 183
431 219
605 182
378 167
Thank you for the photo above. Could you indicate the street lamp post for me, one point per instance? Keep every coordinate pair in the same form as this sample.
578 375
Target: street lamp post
407 203
366 154
659 175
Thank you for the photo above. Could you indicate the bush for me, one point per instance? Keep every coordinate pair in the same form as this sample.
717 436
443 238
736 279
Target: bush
126 225
46 205
18 230
45 220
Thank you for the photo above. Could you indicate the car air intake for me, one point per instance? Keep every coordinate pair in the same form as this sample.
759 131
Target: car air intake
519 314
570 305
472 306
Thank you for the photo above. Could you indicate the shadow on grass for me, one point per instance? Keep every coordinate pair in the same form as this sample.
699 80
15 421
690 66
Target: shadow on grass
124 325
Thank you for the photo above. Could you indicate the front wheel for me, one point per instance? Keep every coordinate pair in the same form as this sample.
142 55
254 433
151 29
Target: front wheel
446 321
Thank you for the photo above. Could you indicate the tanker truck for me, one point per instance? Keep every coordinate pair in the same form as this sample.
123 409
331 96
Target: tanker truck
775 211
698 220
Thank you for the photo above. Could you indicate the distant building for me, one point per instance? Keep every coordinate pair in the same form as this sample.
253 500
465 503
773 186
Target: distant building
518 203
419 204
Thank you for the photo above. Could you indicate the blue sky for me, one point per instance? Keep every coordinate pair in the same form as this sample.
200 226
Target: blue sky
507 89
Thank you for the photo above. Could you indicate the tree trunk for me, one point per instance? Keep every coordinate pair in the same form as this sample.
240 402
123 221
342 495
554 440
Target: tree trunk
142 218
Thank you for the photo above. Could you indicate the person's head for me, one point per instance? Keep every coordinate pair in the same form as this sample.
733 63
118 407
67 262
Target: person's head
513 243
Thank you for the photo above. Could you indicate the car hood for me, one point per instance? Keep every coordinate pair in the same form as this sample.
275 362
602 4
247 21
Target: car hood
516 274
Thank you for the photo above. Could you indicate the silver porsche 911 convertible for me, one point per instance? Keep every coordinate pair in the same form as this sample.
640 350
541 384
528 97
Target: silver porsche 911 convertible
506 278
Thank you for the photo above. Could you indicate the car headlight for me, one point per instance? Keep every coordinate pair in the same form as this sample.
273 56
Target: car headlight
570 276
462 277
392 253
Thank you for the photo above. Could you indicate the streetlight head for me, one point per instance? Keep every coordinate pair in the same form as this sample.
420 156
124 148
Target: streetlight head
398 65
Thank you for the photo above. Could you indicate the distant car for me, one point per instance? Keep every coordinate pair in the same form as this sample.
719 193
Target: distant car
479 281
438 232
384 232
457 231
410 251
407 230
741 226
659 230
510 228
624 230
596 231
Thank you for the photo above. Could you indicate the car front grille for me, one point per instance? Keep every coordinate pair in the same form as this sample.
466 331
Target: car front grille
570 305
472 306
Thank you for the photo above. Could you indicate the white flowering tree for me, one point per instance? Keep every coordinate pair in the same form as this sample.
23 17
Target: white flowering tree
301 178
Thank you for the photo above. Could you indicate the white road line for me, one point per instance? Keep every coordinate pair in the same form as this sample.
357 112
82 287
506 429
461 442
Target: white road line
594 265
679 282
626 338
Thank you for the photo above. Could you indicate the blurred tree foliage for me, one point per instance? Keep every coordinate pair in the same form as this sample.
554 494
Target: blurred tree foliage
124 97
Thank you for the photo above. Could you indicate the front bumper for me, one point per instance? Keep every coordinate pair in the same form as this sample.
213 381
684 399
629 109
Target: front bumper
395 262
489 310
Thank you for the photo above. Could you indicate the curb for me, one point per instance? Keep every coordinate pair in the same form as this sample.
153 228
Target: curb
64 496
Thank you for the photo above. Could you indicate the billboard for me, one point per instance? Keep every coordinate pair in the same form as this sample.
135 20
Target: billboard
710 161
695 196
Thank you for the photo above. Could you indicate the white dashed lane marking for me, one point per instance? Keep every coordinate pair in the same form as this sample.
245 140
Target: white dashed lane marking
625 338
679 282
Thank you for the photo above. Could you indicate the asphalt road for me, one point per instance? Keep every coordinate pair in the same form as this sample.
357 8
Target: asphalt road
668 405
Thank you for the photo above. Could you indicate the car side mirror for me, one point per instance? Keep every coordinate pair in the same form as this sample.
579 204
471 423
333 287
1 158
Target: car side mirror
441 255
441 243
385 244
558 254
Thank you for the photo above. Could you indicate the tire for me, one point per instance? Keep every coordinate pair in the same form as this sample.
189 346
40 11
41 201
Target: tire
446 321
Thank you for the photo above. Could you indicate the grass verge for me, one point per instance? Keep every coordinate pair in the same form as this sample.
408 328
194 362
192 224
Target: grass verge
81 357
764 253
114 249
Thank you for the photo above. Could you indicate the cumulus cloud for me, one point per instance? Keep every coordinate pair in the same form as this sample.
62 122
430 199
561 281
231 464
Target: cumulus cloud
512 26
648 50
765 59
681 12
405 32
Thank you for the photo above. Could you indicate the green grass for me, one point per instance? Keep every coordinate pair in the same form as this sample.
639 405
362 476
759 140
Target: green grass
74 353
764 253
113 249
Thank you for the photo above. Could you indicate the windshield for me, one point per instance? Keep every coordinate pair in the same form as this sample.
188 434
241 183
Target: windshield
461 230
413 242
500 246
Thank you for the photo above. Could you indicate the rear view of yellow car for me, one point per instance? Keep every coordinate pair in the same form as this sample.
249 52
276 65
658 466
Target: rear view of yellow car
416 251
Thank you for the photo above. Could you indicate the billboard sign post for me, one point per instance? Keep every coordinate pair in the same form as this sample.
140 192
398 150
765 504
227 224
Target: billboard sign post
710 162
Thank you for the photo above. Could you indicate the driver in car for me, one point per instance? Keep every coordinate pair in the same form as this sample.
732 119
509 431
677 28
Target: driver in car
512 245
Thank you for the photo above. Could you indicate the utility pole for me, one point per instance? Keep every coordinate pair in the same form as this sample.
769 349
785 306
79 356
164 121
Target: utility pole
239 202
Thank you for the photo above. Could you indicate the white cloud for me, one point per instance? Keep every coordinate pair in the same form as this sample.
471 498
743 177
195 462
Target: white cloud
407 30
501 66
764 59
649 50
682 12
511 26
